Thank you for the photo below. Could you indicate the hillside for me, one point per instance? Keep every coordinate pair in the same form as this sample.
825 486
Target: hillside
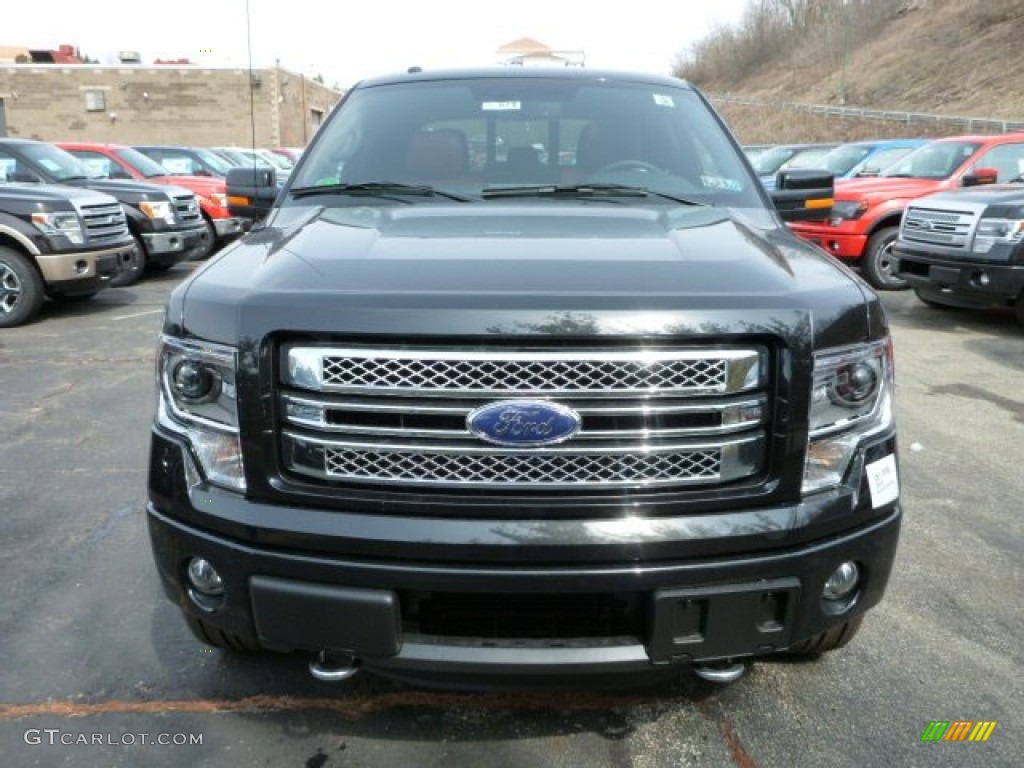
946 57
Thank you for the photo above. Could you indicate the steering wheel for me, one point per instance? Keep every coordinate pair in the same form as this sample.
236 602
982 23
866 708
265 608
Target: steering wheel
638 166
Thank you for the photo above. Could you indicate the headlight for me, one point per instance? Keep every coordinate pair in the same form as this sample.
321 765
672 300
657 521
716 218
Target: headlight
851 399
64 223
158 210
219 198
198 401
848 209
992 231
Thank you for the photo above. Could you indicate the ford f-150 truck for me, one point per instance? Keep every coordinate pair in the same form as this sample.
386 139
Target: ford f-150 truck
56 242
588 412
965 248
866 215
164 221
120 162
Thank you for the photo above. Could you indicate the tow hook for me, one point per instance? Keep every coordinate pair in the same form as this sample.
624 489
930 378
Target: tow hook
333 667
724 671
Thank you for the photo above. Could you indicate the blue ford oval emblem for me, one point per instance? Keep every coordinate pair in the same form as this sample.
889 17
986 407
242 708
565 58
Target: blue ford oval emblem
524 423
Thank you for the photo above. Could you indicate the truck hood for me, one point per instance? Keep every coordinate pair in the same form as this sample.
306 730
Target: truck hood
521 268
47 193
988 194
122 190
201 185
881 188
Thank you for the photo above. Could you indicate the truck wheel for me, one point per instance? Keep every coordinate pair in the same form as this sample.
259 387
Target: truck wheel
211 242
131 272
21 289
829 640
877 264
218 638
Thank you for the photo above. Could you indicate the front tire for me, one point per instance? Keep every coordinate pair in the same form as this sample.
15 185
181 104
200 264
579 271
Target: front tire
210 242
136 266
21 289
830 640
878 263
218 638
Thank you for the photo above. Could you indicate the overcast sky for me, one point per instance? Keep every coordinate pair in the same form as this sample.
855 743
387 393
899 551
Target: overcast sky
345 41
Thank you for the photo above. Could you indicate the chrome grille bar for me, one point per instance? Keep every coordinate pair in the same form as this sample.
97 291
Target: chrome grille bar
502 373
548 468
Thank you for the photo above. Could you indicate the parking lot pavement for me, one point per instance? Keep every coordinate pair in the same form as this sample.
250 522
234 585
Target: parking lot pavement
98 666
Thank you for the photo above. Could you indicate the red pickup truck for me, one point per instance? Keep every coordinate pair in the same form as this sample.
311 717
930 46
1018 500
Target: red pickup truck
119 162
866 214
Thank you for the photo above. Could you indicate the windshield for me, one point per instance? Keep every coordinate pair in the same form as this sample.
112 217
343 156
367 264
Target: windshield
214 161
842 159
771 160
467 136
937 160
144 165
56 163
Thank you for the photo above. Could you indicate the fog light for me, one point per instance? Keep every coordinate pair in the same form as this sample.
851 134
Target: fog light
204 577
843 581
983 279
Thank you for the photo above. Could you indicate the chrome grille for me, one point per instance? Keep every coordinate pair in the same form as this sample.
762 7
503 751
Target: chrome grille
652 418
949 228
186 209
104 222
502 469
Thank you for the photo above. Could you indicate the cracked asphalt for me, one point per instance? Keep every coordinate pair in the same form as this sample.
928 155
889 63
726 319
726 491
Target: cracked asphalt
98 668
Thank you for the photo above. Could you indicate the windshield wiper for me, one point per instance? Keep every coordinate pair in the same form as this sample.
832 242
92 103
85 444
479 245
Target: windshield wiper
582 190
377 188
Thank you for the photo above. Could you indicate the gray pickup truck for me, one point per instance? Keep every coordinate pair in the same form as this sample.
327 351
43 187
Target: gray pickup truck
965 248
56 242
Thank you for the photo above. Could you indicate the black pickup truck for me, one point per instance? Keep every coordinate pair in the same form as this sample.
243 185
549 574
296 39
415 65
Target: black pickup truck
165 222
56 242
965 248
574 404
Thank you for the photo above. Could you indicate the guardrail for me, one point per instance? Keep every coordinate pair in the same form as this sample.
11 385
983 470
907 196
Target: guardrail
970 124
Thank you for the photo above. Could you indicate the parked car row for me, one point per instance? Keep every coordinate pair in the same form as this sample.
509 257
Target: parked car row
908 213
59 243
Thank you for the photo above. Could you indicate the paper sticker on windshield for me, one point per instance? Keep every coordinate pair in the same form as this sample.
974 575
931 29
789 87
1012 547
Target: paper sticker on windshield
720 182
501 106
664 101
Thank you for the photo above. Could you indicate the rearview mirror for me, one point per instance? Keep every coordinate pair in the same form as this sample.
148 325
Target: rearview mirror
804 194
251 192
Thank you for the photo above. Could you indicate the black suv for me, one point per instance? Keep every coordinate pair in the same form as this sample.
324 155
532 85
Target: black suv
165 222
575 403
56 242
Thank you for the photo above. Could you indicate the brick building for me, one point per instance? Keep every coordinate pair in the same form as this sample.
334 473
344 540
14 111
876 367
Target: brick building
131 104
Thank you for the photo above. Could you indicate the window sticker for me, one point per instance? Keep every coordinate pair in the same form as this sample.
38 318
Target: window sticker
664 101
720 182
501 106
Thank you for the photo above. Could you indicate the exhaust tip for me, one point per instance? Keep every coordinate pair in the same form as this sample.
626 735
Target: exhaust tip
720 671
333 668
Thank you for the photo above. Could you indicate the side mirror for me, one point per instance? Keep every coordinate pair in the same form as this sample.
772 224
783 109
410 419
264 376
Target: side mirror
24 177
980 176
251 192
804 194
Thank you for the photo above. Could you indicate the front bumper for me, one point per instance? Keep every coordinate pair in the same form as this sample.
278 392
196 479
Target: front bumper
838 241
229 227
974 284
79 274
174 246
681 610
